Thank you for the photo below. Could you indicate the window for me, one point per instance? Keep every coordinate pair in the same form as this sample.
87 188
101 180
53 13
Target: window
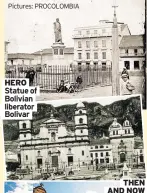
95 32
113 132
101 154
55 51
96 154
96 147
91 154
24 125
107 153
38 153
53 136
103 55
11 62
88 56
69 150
80 112
79 55
95 55
95 65
101 161
103 66
125 131
87 44
107 160
95 44
80 120
116 132
81 131
26 157
87 32
24 135
79 44
61 51
141 151
82 153
103 43
136 65
135 51
127 65
88 66
101 146
125 173
126 51
128 131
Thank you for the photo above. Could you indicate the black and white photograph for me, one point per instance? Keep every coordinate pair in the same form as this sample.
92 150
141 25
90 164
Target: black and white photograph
98 138
77 49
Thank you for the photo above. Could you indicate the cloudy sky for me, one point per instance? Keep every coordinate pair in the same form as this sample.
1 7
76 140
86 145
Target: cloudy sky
100 100
62 187
31 30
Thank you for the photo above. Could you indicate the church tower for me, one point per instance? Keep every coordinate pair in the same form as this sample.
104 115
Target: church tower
81 125
115 57
25 131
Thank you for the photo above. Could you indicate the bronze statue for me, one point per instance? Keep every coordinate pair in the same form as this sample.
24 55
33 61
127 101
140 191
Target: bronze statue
57 31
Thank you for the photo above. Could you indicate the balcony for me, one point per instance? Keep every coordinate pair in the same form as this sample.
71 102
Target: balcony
124 55
92 35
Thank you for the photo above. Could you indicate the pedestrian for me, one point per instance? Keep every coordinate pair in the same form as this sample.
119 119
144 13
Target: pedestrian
30 75
79 82
126 87
125 72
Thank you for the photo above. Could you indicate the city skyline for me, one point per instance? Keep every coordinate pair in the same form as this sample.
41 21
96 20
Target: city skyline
37 33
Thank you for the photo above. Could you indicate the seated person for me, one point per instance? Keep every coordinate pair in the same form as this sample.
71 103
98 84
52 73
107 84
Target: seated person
61 86
67 86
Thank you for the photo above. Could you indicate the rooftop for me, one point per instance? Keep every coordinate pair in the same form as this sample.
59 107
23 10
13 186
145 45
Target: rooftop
20 56
68 50
132 41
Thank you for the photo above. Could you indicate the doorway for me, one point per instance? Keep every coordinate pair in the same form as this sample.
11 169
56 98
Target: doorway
54 161
39 163
122 157
70 160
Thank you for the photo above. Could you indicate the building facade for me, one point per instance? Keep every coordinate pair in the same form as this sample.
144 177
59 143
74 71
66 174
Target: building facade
53 145
93 45
132 54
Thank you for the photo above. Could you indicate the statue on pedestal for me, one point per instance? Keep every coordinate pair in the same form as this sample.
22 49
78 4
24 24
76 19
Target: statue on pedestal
57 31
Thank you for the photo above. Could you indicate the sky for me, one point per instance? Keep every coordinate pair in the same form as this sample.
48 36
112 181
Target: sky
32 30
101 100
62 187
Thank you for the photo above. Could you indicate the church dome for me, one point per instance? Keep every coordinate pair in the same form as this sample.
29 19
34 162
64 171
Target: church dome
80 105
115 124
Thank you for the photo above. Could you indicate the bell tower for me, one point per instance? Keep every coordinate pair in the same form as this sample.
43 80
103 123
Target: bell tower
81 125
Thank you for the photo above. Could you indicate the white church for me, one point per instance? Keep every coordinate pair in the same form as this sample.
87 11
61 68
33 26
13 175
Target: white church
55 146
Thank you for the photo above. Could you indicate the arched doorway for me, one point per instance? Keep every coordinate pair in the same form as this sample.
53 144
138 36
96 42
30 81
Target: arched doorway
122 157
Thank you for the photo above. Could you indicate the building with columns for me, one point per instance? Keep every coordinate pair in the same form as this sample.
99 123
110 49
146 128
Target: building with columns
53 145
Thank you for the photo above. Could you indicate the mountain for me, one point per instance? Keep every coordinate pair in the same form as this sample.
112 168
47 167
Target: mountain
99 117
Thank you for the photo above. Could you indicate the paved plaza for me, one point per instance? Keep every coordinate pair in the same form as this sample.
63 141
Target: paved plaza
94 91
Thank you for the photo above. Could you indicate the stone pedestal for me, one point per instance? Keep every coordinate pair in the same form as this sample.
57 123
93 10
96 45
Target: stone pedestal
58 50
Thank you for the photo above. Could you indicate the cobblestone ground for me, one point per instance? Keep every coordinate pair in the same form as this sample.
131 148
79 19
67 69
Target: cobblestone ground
95 91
